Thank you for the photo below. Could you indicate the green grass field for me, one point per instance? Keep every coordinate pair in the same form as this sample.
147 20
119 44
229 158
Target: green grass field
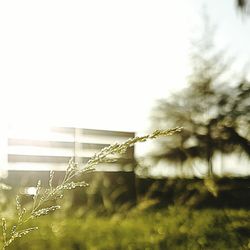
171 228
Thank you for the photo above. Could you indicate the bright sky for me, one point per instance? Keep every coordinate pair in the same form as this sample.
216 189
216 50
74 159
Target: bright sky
101 64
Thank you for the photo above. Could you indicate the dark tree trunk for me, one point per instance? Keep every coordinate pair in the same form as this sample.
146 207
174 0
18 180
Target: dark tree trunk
210 171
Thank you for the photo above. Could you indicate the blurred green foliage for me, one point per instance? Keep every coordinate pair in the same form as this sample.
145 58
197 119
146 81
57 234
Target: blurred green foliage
172 228
166 216
213 109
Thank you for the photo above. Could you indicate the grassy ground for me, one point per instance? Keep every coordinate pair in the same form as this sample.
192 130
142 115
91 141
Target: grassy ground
173 228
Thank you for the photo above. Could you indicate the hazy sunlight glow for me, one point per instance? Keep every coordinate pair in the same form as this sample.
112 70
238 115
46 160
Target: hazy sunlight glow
91 64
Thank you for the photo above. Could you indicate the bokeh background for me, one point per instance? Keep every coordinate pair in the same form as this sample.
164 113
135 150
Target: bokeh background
97 72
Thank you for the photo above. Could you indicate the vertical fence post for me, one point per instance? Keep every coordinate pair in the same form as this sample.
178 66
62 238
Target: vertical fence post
3 149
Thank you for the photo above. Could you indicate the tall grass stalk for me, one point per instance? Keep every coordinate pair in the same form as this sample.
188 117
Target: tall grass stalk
44 197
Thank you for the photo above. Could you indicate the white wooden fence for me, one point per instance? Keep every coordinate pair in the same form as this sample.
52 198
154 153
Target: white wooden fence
53 148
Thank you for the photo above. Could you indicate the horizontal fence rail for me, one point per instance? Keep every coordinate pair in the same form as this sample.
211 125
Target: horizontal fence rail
52 149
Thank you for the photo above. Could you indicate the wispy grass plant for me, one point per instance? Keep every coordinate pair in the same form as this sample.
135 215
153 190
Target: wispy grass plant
45 199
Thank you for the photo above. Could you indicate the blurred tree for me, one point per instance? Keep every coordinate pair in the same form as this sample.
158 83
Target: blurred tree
243 5
214 111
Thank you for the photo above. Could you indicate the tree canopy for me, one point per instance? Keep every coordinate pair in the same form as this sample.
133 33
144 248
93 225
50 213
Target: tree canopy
214 110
